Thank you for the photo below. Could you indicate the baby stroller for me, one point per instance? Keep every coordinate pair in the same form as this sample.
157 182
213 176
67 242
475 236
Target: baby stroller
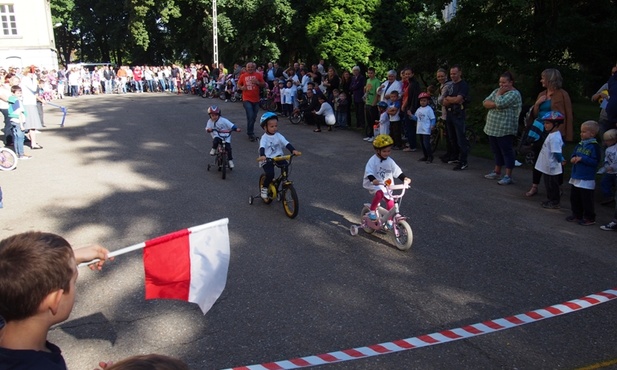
523 142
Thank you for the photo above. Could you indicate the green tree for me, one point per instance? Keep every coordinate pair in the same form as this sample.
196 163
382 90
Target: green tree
339 31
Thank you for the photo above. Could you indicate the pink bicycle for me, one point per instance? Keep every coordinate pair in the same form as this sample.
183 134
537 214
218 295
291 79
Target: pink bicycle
388 221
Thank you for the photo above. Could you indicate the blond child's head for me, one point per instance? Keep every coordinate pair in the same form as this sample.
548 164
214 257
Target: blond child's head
589 129
610 137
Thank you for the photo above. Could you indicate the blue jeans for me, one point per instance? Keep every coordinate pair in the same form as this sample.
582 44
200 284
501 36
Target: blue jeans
503 150
139 87
458 122
607 184
341 118
18 140
108 87
409 126
251 116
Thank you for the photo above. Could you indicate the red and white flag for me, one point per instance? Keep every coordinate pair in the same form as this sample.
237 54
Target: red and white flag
189 265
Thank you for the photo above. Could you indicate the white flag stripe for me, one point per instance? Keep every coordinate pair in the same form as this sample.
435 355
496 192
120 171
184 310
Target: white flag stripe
209 253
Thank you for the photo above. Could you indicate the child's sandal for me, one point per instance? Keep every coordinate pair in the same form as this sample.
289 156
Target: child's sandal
533 191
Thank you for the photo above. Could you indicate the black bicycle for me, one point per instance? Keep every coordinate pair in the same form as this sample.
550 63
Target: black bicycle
221 160
296 116
281 188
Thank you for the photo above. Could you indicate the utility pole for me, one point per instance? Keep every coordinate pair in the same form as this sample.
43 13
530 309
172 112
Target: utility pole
215 42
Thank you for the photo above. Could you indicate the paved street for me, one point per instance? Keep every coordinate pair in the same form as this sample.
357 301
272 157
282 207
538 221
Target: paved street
129 168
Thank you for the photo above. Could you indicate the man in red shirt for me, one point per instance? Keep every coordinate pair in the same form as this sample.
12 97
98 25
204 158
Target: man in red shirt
249 83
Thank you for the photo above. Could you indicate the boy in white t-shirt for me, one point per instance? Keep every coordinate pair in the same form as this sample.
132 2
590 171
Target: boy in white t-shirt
426 120
271 145
550 159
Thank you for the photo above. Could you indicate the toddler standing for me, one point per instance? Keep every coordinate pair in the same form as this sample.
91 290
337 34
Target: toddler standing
425 116
17 116
342 108
287 98
609 169
384 121
585 159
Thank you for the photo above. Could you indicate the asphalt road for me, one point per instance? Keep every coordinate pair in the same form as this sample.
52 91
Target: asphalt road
129 168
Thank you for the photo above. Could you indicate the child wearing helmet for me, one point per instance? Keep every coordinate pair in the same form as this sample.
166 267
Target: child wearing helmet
271 145
381 169
426 120
217 123
550 159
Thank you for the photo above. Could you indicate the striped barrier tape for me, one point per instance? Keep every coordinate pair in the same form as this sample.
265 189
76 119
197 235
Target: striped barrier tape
445 336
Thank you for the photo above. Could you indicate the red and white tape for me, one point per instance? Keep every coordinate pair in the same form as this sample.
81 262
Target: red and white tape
445 336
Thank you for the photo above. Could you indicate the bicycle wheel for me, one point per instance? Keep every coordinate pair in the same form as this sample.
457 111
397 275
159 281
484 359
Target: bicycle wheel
270 105
290 201
435 137
263 104
405 235
262 178
366 229
224 163
295 118
8 159
471 137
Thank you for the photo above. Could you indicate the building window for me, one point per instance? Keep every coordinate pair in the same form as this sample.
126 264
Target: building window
7 17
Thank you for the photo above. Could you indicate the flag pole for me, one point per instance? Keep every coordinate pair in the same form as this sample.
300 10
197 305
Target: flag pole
223 221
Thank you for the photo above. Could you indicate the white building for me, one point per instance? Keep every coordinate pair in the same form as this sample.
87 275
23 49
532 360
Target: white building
27 36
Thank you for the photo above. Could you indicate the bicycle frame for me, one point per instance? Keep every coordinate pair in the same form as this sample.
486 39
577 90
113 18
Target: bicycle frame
383 214
403 235
221 159
281 188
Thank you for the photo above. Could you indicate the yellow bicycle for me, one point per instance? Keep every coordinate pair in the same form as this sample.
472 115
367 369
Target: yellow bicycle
281 188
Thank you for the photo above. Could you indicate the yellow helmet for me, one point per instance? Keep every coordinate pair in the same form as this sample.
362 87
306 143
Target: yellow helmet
382 141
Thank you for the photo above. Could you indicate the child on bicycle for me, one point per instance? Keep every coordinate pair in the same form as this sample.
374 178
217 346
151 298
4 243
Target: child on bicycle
217 123
381 169
271 145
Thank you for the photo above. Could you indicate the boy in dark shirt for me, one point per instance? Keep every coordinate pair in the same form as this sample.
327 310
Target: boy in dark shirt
37 290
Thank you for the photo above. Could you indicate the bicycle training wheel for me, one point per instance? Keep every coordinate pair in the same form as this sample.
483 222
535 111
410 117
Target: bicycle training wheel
295 118
224 163
8 159
363 214
290 201
405 235
262 178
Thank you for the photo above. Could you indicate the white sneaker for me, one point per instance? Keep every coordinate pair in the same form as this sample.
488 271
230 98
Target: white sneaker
370 139
517 163
231 164
367 138
212 151
264 193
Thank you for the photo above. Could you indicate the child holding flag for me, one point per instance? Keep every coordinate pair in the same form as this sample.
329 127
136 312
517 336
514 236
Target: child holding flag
37 291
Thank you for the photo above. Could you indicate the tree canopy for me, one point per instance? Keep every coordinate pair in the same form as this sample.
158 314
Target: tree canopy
487 37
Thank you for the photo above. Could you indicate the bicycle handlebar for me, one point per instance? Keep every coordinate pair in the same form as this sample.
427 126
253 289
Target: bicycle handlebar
282 157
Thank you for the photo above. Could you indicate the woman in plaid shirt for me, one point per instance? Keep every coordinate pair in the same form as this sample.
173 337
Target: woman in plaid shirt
504 107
